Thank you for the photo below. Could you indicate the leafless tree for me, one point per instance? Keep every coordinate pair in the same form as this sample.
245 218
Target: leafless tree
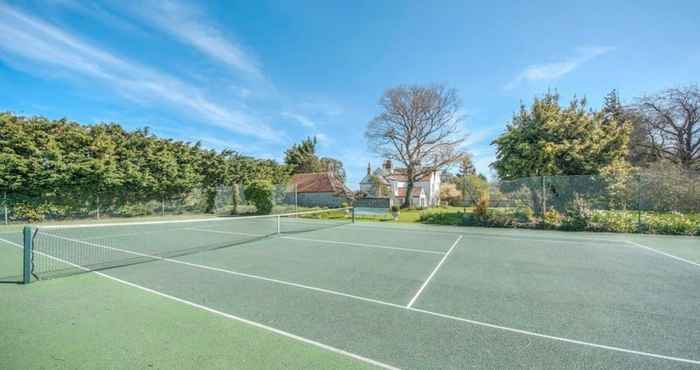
672 124
420 127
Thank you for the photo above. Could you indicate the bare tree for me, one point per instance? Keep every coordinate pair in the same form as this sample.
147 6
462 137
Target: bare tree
420 127
672 123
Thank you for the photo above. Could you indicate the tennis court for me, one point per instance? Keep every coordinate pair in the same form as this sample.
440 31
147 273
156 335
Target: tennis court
414 297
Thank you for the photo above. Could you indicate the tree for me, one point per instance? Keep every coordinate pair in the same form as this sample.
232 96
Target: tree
449 194
302 157
548 139
333 166
473 188
640 147
447 177
466 166
418 127
260 192
672 122
379 188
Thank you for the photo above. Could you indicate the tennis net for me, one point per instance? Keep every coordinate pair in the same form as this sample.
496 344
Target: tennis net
56 251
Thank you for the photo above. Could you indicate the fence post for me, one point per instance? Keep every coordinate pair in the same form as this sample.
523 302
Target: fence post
296 199
639 202
4 207
162 205
544 196
98 207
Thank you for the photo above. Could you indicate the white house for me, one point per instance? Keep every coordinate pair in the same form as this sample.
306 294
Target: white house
426 191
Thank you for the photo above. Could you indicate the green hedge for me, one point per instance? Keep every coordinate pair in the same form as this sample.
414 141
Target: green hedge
574 220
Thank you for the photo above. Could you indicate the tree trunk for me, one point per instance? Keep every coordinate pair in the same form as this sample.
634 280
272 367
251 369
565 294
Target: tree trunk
409 191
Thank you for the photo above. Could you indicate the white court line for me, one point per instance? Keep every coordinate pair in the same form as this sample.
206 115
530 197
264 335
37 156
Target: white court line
663 253
431 313
363 245
425 283
223 232
469 233
227 315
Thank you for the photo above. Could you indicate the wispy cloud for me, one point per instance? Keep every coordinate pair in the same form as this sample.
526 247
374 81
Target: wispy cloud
189 26
27 41
479 136
303 120
555 70
323 139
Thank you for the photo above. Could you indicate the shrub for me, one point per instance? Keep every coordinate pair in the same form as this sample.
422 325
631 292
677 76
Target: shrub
134 210
669 223
395 209
481 208
524 214
552 219
31 213
442 218
497 218
614 221
260 193
578 215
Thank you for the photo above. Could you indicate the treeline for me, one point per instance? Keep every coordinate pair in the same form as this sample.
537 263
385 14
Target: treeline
548 139
58 165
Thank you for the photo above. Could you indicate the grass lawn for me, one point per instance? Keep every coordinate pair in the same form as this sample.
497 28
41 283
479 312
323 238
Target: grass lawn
411 215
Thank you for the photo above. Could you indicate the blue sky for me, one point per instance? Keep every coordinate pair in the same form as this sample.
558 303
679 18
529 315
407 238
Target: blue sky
258 76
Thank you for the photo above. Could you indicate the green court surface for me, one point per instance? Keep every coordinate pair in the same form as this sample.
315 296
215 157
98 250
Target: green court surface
224 295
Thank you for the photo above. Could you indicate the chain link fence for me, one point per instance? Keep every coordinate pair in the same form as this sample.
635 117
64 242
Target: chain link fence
223 200
643 191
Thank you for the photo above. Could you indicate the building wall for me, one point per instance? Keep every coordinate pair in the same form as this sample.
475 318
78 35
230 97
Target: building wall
326 199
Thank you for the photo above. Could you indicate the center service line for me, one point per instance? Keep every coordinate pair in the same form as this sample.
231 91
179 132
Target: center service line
433 273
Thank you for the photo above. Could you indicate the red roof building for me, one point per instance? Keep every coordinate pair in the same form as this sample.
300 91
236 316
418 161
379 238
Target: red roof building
319 189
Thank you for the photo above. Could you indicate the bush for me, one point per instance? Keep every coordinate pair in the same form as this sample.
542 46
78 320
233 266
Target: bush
614 221
29 212
524 214
578 215
481 209
442 218
134 210
497 218
395 209
260 193
552 219
669 223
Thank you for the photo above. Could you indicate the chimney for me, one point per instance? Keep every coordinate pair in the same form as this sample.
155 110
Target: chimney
387 165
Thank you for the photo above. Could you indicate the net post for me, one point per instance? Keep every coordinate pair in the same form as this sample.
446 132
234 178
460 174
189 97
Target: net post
27 260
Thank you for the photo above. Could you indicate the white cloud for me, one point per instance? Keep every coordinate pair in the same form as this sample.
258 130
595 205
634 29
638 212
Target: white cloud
323 139
555 70
27 41
186 24
303 120
479 136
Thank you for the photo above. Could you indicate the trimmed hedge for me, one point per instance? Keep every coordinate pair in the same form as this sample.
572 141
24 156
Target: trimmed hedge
574 220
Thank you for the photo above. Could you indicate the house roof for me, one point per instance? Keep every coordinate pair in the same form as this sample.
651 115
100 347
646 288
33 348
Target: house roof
319 182
368 179
417 191
399 174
